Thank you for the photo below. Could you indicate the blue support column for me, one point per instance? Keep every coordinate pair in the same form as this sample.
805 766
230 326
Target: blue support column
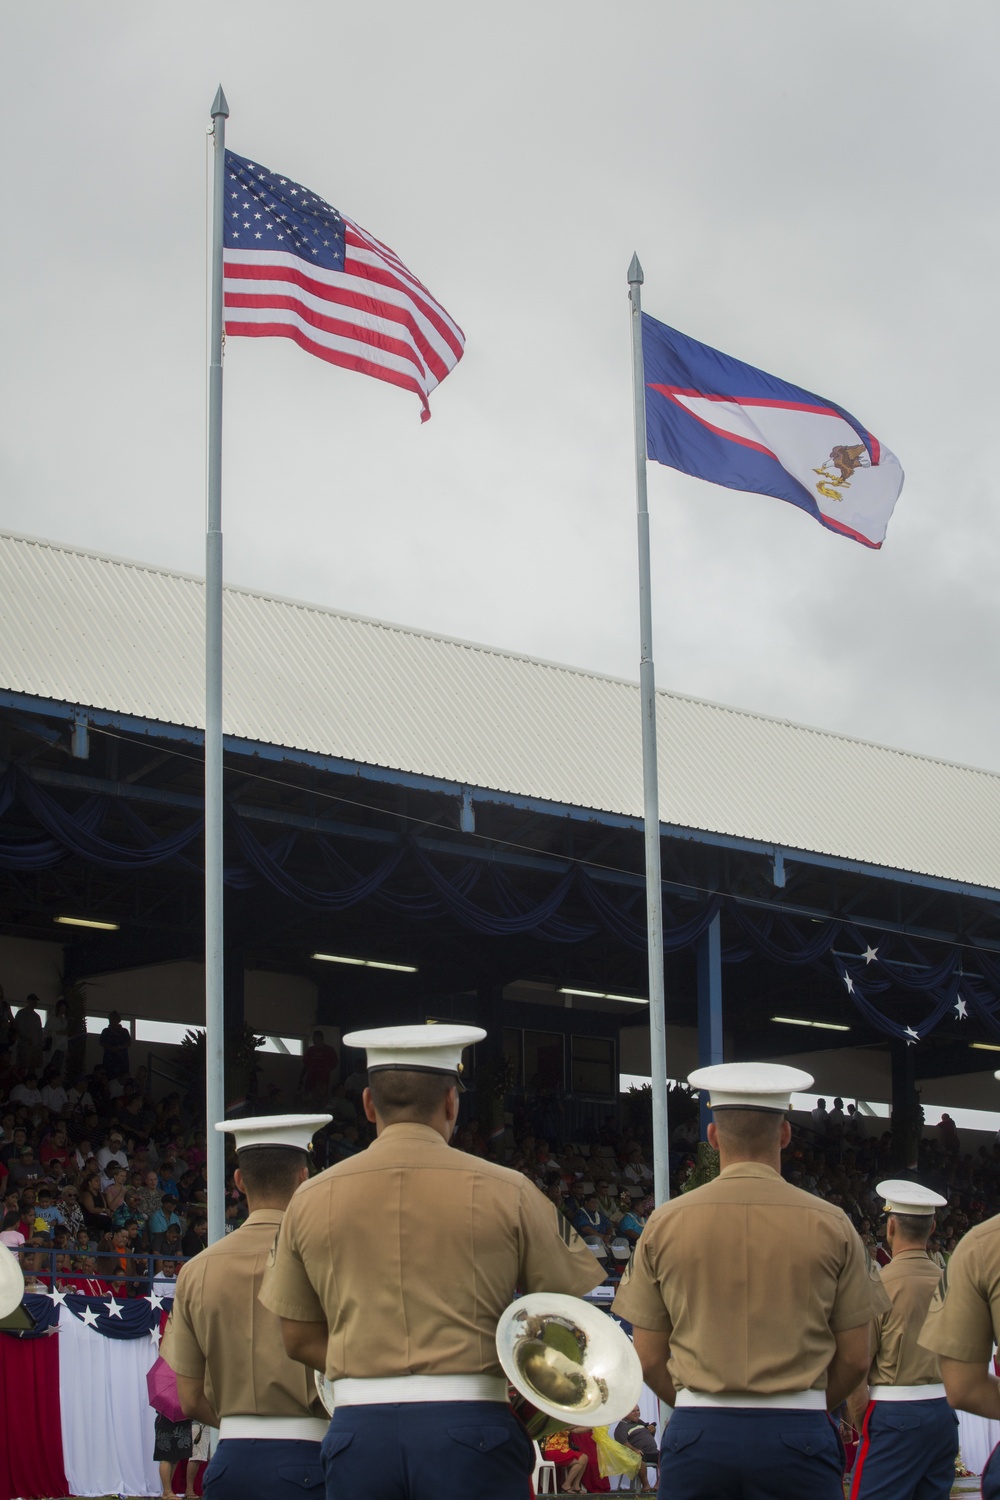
709 1003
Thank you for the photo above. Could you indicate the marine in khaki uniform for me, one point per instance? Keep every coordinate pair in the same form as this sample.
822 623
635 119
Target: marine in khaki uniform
909 1433
963 1325
750 1303
227 1350
390 1273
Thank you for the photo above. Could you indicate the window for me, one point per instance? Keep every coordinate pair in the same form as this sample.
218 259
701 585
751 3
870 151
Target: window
543 1060
512 1053
173 1032
593 1066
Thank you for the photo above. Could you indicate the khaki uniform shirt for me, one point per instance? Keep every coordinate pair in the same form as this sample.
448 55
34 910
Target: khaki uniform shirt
751 1278
964 1318
220 1334
910 1279
410 1251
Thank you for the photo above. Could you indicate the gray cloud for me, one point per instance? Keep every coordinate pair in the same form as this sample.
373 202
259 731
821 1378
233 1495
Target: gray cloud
807 188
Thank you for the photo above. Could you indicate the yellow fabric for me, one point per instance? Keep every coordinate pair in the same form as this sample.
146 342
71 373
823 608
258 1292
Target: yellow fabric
614 1457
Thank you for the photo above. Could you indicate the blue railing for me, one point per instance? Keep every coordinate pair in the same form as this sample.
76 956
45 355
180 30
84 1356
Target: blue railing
105 1261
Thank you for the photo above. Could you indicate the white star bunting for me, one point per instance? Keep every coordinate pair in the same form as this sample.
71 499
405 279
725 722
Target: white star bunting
58 1297
850 984
870 955
114 1311
154 1299
961 1009
911 1036
89 1317
154 1336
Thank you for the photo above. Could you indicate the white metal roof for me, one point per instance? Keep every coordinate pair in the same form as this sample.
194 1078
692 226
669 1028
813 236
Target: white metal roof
99 632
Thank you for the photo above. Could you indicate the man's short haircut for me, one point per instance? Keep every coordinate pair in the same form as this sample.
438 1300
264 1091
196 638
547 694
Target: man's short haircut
749 1130
269 1171
915 1226
401 1095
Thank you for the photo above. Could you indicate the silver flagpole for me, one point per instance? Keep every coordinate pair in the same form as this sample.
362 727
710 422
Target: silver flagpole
650 788
215 1102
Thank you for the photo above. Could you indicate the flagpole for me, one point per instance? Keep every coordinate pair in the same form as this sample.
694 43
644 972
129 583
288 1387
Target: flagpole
650 787
214 909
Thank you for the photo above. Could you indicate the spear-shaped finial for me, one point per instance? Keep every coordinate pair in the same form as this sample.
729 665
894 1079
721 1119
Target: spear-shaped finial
634 270
220 105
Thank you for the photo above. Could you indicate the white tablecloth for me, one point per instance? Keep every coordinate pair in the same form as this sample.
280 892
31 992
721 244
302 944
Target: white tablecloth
977 1438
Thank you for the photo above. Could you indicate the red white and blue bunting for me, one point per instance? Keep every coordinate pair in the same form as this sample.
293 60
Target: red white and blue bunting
74 1408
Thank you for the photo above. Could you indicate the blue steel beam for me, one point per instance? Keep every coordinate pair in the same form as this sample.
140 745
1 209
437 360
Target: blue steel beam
710 1040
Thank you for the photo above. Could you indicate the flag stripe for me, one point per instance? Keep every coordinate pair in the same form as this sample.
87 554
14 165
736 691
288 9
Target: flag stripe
332 333
450 329
332 356
271 285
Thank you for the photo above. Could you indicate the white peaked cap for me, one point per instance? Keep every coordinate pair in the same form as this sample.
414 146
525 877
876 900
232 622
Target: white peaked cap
274 1130
909 1198
11 1282
765 1086
416 1049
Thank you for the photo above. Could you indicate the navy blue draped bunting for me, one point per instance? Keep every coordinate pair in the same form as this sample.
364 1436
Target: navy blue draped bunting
407 882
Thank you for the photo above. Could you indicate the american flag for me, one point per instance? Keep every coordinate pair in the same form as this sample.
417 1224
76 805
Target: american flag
295 268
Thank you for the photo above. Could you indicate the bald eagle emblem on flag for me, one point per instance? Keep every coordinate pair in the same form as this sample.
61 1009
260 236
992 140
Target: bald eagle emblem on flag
845 459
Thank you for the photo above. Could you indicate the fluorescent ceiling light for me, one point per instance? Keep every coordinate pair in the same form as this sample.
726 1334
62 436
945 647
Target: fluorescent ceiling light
89 922
985 1046
798 1021
365 963
604 995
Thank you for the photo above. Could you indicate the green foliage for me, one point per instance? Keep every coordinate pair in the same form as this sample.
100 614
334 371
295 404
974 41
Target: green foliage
705 1169
637 1109
495 1077
240 1044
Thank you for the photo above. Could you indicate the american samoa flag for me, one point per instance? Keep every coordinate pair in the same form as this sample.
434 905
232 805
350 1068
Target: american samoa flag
295 268
720 419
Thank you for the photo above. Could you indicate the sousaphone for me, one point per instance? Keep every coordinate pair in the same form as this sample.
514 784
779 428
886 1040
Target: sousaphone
569 1362
324 1389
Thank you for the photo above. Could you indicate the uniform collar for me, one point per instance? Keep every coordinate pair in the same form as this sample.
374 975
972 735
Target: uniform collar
750 1169
265 1216
911 1255
410 1130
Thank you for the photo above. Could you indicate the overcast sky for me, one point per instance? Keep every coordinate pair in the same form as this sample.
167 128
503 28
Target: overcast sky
810 188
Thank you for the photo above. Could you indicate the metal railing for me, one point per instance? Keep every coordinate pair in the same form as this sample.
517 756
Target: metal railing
107 1264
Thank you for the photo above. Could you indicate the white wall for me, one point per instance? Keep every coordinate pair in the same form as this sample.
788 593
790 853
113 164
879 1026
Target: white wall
682 1050
29 967
279 1004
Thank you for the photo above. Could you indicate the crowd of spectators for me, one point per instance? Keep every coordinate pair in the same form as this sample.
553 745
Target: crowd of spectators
107 1185
102 1188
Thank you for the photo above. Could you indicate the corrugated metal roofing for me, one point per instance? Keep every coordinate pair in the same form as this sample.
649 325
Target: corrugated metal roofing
96 631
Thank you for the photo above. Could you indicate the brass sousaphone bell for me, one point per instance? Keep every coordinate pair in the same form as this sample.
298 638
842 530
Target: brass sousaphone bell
569 1362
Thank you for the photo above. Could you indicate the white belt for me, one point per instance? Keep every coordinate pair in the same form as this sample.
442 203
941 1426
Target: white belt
401 1388
906 1393
783 1401
298 1429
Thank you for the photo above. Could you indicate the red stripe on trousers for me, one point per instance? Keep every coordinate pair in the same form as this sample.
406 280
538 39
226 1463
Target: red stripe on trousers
859 1462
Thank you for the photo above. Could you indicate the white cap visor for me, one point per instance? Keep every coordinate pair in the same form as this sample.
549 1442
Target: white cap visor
295 1131
763 1086
903 1197
416 1049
